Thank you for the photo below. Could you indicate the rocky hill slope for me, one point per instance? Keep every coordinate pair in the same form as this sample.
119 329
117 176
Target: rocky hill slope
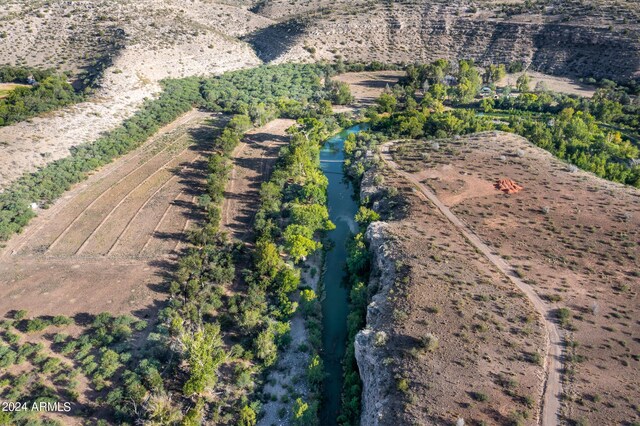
585 38
124 48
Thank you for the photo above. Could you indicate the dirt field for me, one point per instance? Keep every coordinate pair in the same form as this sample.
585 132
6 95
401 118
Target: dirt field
106 243
366 87
552 83
252 163
573 237
465 341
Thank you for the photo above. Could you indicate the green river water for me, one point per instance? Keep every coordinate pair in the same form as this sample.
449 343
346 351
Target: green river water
335 307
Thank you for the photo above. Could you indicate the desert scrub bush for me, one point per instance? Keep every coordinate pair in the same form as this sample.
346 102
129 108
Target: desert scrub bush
29 349
7 356
403 385
60 337
380 339
479 396
20 315
564 317
533 358
61 320
429 342
51 365
11 338
36 324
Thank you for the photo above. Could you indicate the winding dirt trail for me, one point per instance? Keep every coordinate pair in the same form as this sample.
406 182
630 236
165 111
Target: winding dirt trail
553 362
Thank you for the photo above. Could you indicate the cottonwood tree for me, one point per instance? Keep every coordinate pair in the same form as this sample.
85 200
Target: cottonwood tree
203 354
522 84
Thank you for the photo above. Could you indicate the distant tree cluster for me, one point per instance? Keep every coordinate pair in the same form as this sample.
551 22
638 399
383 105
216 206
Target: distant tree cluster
24 75
46 91
567 126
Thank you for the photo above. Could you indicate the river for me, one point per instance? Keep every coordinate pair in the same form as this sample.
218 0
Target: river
335 306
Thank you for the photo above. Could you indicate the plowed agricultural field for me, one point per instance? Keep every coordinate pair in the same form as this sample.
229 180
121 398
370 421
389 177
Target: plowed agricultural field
106 245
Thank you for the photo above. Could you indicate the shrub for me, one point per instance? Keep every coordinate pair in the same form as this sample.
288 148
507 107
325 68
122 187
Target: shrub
479 396
36 324
403 385
429 342
61 320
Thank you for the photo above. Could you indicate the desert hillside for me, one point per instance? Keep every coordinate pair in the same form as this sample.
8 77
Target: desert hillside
580 38
125 48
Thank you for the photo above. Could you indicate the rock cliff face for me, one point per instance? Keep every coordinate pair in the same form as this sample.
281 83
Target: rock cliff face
376 377
376 374
424 32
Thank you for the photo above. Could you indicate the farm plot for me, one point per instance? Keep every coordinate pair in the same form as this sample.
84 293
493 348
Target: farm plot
105 244
253 160
7 88
366 87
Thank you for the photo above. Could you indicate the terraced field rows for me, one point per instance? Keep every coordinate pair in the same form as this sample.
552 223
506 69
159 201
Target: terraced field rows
107 217
123 226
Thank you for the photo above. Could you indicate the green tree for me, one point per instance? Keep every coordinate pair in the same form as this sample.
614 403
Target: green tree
266 348
268 261
288 279
203 354
341 93
522 84
365 216
299 242
304 414
248 417
438 91
494 73
315 371
313 216
387 103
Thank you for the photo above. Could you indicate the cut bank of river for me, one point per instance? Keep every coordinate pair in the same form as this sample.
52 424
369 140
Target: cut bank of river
335 306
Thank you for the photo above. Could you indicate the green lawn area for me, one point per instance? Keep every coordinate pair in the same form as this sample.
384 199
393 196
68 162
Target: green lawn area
6 88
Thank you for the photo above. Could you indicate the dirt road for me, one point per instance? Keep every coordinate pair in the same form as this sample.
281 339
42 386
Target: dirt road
553 362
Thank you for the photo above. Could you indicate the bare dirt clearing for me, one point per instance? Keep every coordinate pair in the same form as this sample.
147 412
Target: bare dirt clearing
573 237
555 84
253 160
366 87
104 245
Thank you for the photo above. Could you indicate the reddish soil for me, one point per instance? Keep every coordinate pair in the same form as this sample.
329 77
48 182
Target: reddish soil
106 244
487 332
573 238
508 186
